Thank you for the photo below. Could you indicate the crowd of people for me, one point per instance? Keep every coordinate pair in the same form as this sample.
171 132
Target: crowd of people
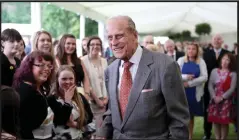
129 90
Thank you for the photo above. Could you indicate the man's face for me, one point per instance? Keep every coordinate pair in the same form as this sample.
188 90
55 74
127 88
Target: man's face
217 41
122 40
148 40
169 47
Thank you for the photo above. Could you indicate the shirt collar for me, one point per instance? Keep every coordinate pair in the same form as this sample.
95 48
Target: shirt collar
135 59
174 53
217 50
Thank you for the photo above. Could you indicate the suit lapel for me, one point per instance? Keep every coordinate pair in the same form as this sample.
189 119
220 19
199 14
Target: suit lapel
139 82
114 87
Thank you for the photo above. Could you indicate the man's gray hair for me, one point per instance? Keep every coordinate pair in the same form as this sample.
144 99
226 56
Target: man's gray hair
170 41
131 23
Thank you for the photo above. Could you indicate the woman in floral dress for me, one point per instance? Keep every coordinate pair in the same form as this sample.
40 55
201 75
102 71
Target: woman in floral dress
222 84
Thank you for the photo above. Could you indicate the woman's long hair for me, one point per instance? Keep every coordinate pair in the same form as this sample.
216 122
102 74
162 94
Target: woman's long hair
198 55
61 55
76 98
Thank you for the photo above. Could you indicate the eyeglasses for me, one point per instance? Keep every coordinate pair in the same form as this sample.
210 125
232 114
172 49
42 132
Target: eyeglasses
42 66
95 44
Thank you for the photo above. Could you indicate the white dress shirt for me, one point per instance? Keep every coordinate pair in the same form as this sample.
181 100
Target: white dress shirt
135 59
217 51
174 55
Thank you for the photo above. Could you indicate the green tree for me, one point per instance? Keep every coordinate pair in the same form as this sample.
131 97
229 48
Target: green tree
55 20
59 21
91 27
16 12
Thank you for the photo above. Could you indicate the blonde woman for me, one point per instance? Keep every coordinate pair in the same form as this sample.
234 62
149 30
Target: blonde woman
154 48
95 66
194 75
42 41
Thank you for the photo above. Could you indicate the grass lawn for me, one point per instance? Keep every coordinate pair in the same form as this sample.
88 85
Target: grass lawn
199 133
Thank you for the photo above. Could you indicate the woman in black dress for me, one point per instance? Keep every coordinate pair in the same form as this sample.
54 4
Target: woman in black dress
31 81
10 41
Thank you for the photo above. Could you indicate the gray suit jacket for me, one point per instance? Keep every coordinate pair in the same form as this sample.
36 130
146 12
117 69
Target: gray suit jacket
158 114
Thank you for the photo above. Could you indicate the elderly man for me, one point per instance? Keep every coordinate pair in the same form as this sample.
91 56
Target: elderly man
212 59
146 95
170 49
149 39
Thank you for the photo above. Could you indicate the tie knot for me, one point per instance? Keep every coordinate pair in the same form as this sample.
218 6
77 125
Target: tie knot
127 64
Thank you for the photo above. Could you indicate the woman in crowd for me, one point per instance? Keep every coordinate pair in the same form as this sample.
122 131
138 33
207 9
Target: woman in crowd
36 116
66 84
55 45
194 75
66 55
10 39
84 45
21 53
222 84
42 41
10 104
95 66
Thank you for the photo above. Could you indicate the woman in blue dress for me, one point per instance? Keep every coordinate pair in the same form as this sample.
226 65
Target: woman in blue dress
194 75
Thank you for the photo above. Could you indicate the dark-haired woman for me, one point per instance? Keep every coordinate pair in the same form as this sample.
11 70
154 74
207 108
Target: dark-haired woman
36 115
222 85
10 39
21 53
95 66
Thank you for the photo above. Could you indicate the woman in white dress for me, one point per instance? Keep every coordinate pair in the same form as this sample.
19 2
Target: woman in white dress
95 67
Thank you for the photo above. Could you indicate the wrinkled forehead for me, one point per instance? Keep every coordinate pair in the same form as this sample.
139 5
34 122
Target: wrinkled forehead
169 44
116 24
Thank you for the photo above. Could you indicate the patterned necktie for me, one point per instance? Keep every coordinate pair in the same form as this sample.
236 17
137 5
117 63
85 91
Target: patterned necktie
125 87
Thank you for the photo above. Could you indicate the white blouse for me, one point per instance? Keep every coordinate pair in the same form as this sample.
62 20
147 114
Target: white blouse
45 130
96 76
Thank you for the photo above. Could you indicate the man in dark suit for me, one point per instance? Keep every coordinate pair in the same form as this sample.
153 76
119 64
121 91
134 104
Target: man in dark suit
146 95
171 51
212 59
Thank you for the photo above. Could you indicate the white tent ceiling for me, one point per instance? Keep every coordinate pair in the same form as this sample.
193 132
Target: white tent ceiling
158 18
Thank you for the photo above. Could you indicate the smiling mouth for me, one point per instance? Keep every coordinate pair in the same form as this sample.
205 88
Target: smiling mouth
118 49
